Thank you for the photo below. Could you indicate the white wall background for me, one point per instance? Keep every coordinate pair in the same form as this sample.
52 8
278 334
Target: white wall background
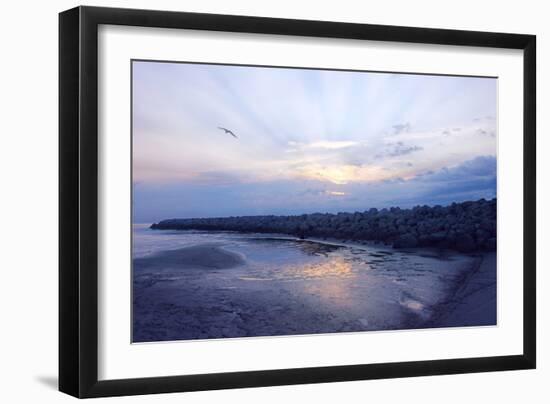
28 203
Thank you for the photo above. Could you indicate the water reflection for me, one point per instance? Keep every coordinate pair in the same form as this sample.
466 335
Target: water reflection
333 267
307 247
330 267
334 292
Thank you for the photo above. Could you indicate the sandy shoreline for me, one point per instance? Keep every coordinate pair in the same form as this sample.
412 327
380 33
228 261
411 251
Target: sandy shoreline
472 301
205 256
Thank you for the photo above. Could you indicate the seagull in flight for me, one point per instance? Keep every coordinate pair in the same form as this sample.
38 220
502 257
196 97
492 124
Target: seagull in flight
228 131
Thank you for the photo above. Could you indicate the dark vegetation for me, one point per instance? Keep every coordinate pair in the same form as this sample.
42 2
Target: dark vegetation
466 227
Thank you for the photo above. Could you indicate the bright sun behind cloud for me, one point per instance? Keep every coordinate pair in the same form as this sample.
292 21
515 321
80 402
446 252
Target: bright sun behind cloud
344 174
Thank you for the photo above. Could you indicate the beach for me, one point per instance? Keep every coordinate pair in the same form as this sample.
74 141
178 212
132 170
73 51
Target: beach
204 256
474 298
202 285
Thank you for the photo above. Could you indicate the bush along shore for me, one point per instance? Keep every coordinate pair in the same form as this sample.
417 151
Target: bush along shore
465 227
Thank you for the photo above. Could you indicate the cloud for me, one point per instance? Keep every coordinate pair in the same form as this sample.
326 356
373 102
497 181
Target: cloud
481 166
486 132
336 193
472 179
335 144
322 144
401 128
342 174
398 149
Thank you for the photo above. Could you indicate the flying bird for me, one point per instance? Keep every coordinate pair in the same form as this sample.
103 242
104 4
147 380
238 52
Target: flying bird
228 131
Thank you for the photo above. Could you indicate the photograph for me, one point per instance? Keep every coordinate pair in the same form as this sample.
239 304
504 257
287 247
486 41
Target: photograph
272 201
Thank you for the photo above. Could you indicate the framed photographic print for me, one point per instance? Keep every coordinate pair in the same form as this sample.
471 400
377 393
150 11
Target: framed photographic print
250 201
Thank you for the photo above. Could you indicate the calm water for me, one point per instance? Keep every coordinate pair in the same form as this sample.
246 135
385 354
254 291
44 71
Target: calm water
284 286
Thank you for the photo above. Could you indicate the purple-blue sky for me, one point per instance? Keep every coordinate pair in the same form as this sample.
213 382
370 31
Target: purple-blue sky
308 140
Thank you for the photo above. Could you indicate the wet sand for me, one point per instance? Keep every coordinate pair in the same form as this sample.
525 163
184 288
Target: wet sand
207 256
474 298
271 286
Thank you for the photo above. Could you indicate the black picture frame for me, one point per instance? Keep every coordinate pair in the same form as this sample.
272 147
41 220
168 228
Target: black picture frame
78 201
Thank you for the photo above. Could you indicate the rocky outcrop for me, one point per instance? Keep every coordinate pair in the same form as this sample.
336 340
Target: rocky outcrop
465 227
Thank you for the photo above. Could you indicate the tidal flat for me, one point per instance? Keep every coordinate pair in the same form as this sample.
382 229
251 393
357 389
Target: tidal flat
190 284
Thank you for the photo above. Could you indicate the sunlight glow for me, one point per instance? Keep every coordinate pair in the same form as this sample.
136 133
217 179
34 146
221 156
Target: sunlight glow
344 174
331 145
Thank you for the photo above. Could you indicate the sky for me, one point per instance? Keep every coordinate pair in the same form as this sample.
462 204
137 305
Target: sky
307 140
